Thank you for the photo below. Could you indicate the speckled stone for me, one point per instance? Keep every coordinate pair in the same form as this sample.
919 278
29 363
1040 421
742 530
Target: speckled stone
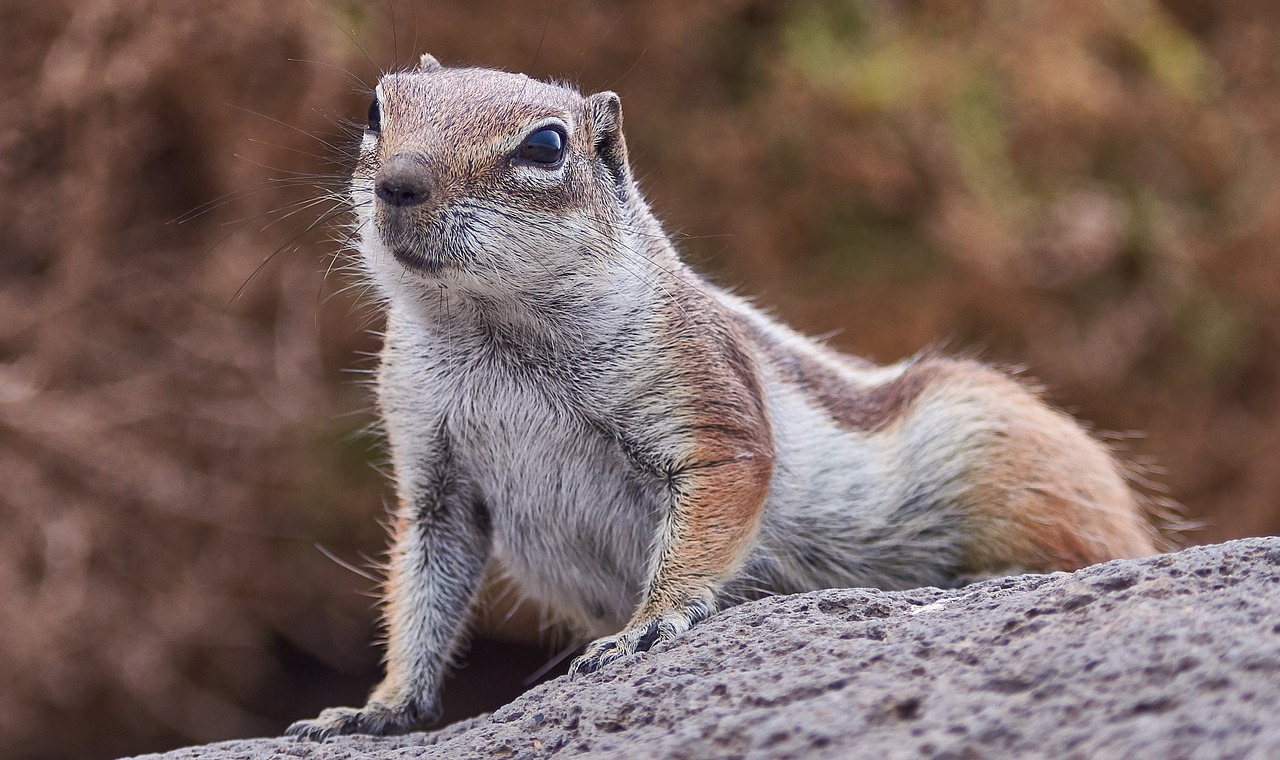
1176 656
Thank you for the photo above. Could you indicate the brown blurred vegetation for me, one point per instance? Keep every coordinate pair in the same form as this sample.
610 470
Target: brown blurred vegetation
1088 189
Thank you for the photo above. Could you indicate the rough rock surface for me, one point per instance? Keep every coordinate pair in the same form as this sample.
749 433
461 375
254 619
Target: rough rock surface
1172 656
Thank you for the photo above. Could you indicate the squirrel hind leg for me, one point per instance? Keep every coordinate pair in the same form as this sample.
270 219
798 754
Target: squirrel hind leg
1043 531
1039 493
1052 498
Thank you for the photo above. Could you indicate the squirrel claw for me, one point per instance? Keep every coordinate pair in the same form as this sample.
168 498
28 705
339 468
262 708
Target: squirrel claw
373 719
636 638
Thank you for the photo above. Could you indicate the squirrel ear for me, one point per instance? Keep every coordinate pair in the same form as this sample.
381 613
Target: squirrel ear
428 62
605 112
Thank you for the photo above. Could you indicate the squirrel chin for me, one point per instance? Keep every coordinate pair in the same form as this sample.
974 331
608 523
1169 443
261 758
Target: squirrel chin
419 263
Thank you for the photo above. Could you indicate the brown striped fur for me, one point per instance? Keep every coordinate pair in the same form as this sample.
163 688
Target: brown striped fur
868 409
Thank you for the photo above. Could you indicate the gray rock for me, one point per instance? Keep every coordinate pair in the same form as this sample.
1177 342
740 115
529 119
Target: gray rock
1168 657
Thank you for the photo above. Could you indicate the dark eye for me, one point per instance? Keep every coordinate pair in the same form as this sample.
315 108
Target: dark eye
375 117
545 147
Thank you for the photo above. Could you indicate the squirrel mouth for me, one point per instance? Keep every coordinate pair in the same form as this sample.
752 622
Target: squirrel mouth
417 261
402 235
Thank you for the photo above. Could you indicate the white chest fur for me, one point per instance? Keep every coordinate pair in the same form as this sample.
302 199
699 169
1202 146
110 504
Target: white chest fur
572 523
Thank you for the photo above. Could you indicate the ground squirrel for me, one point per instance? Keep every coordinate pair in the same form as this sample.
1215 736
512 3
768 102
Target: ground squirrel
637 447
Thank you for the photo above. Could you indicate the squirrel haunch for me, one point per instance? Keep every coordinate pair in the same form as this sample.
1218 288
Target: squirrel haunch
636 447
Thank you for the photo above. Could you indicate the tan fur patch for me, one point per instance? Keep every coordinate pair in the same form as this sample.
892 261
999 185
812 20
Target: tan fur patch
722 488
1046 496
393 686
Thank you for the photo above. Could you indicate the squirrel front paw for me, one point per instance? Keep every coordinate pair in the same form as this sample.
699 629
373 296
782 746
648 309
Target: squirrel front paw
635 638
374 718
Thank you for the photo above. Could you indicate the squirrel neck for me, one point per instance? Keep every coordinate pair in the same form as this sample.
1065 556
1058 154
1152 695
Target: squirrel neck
612 289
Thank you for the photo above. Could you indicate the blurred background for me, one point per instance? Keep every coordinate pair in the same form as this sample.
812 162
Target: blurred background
1087 189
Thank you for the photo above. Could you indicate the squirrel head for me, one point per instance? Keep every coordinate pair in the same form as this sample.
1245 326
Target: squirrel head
472 172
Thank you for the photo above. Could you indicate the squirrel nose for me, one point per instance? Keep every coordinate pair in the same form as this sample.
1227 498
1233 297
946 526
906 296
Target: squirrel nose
402 181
